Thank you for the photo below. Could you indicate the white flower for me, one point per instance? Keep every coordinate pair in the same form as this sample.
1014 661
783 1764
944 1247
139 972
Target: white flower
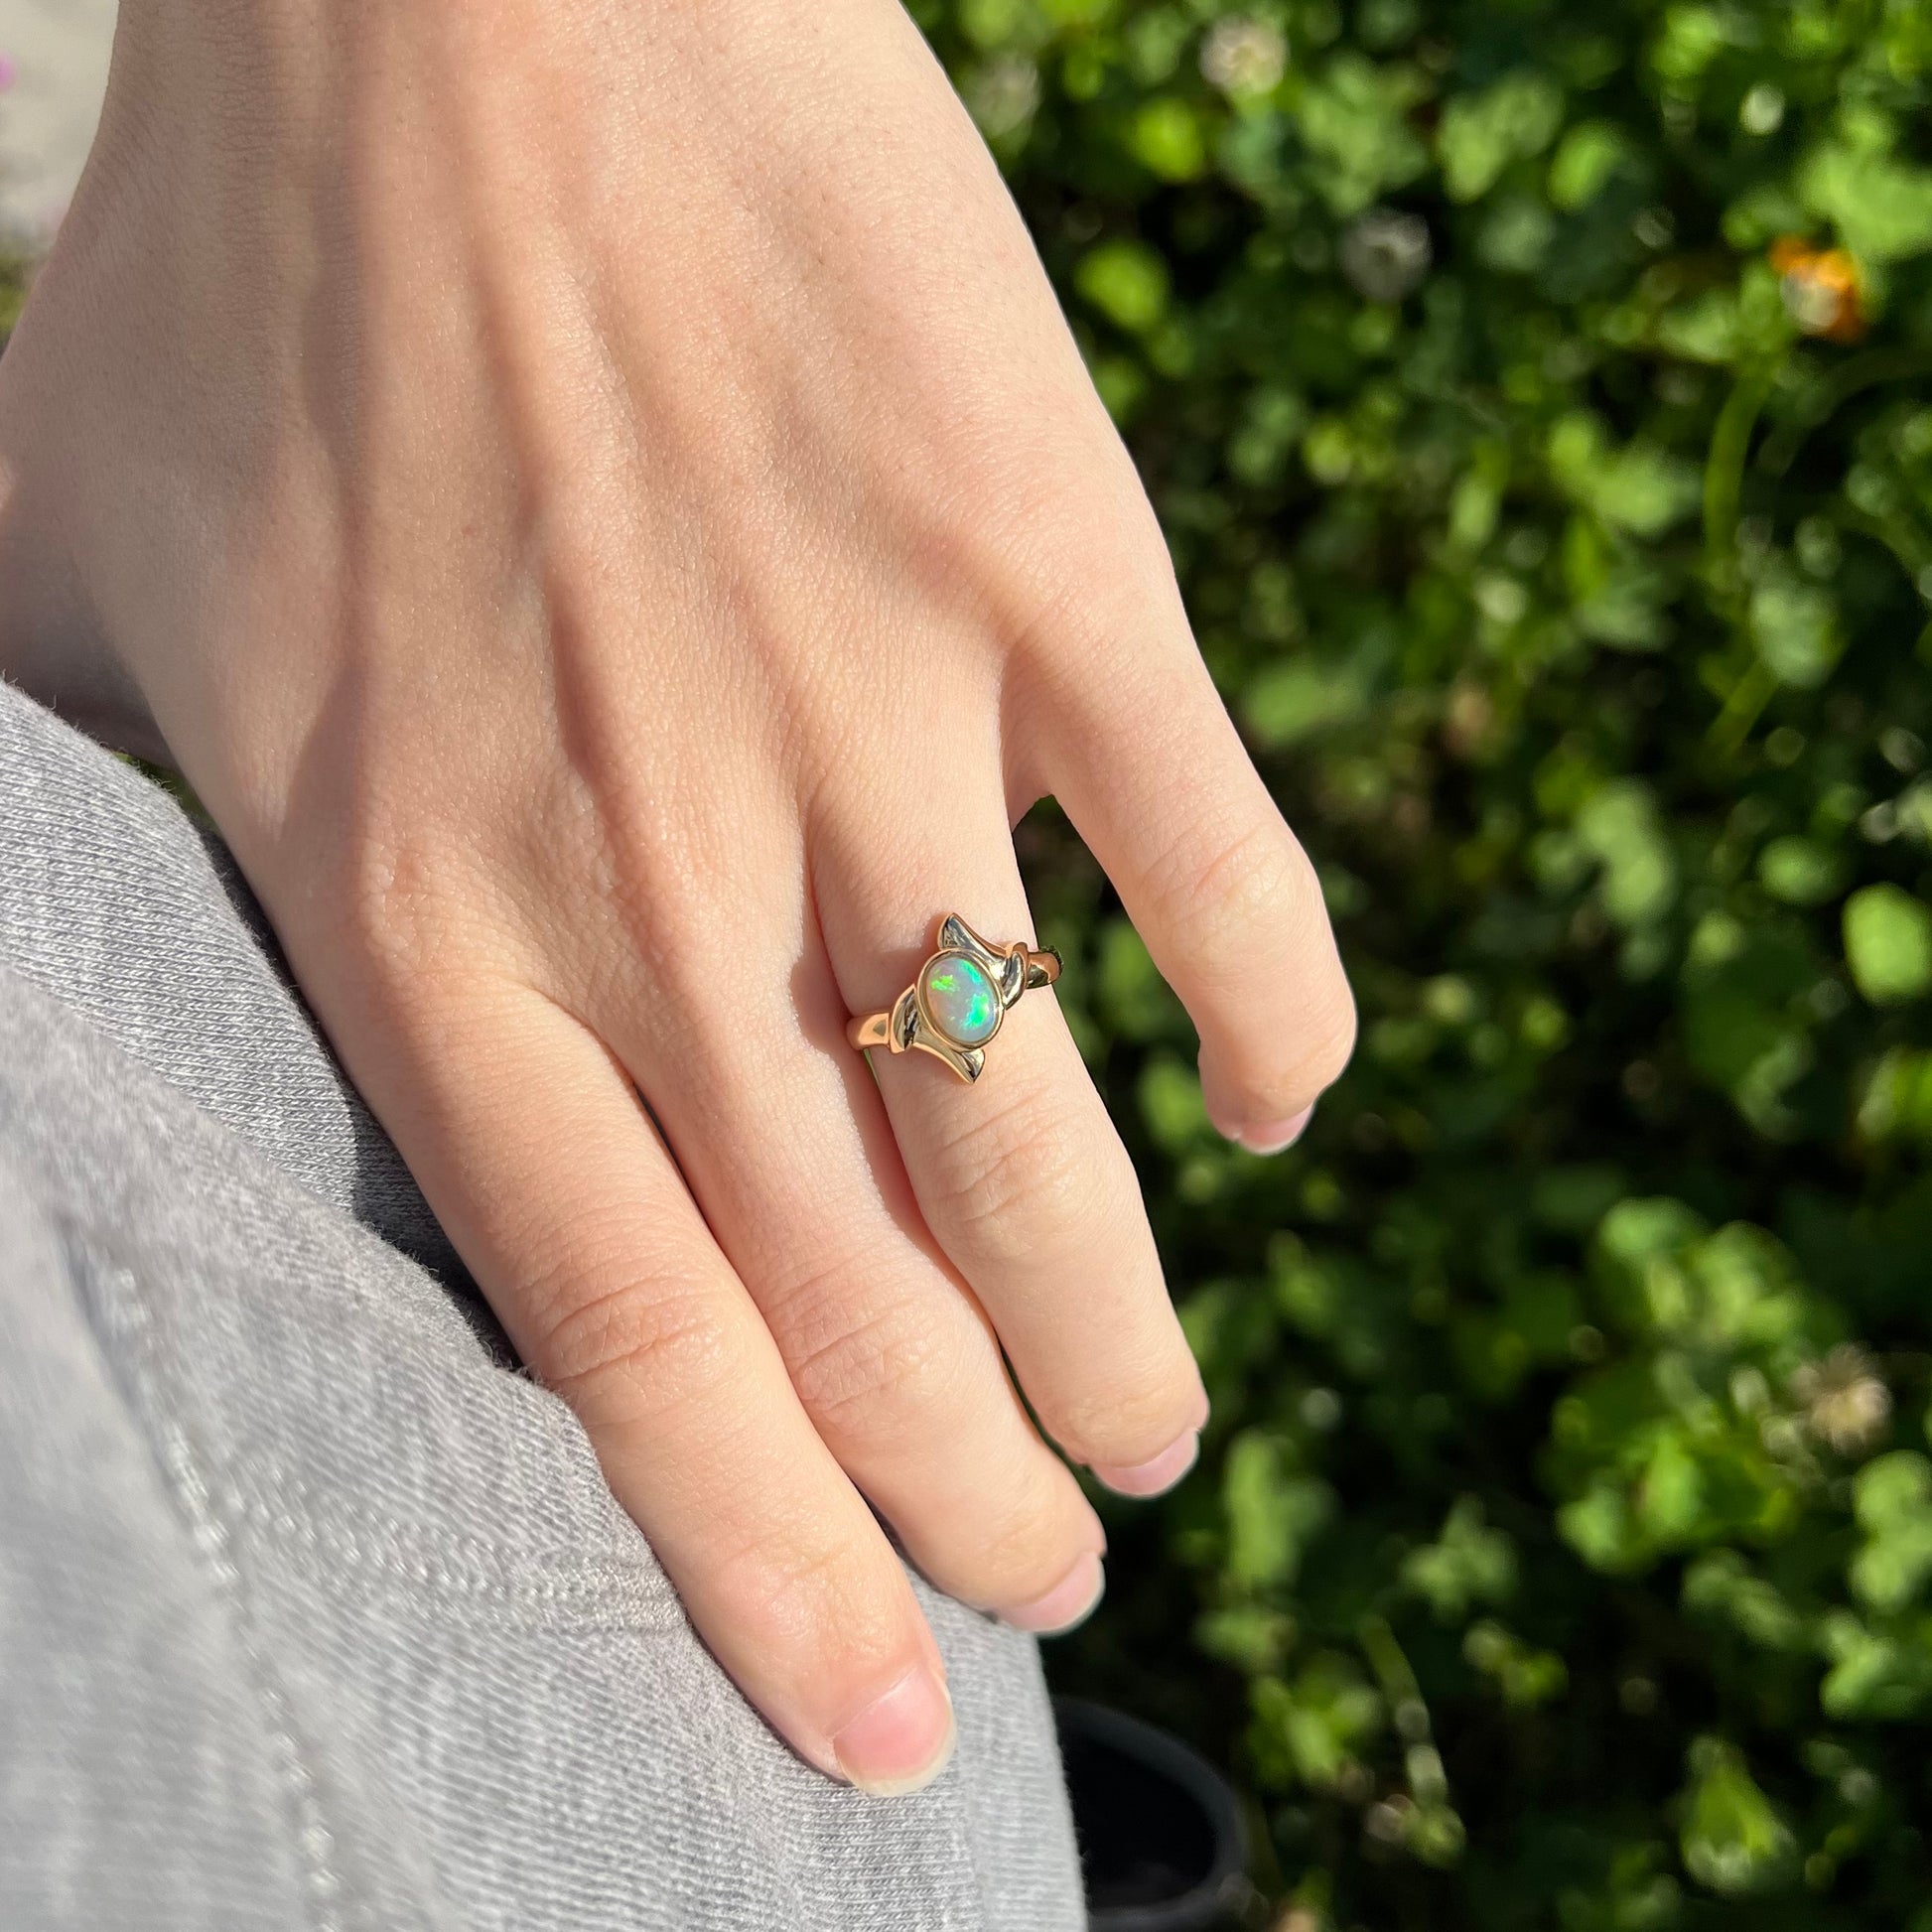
1845 1401
1386 254
1244 57
1002 94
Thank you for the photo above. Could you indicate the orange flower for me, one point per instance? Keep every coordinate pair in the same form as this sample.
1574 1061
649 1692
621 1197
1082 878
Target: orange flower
1821 289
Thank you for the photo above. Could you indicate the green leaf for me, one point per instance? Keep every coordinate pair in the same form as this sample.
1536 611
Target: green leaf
1877 1674
1468 1563
1703 330
1882 207
1720 1586
1525 1677
1172 1104
1889 944
1801 871
1482 134
1734 1839
1517 235
1619 826
1294 700
1897 1099
1638 487
1134 998
1795 628
1585 158
1166 138
1126 281
1693 37
1893 1500
1310 1731
1353 120
1273 1512
991 24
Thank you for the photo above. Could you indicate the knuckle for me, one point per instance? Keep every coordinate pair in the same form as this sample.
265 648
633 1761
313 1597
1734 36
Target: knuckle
1228 887
796 1561
1333 1044
1023 1186
807 1584
649 1341
1006 521
1253 911
392 900
1135 1414
1312 1050
1020 1553
874 1377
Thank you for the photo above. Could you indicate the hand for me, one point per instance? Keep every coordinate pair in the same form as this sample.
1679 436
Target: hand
601 503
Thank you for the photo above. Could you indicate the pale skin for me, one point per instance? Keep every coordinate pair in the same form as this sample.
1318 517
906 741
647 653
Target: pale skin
598 500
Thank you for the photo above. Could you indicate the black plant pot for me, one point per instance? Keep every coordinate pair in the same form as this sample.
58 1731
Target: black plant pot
1161 1839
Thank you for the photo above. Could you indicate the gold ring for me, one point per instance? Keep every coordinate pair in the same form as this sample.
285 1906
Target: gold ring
956 1001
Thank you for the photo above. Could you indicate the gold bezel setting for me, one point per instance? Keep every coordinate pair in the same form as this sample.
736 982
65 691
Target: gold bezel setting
909 1026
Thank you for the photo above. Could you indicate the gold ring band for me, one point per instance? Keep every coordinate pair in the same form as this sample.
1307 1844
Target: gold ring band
957 999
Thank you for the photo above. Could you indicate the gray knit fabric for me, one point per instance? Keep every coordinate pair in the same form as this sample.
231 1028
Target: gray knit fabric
314 1612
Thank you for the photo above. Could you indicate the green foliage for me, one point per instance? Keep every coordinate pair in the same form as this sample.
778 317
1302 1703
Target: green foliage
13 292
1887 944
1532 395
1561 1555
1734 1839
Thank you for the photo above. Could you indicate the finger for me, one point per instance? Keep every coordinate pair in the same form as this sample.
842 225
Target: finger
1150 769
891 1356
534 1151
1019 1176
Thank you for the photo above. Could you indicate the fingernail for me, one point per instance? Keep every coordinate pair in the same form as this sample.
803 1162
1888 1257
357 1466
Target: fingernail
900 1741
1273 1140
1071 1600
1159 1474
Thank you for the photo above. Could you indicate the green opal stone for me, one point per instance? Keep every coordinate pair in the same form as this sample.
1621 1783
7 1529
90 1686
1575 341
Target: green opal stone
960 999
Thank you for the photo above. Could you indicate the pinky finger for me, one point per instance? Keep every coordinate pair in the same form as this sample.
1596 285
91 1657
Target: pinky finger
1155 776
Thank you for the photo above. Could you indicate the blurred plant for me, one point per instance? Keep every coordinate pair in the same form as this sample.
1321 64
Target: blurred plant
13 292
1532 396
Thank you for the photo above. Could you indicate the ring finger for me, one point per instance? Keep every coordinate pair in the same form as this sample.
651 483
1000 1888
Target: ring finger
788 1152
1019 1175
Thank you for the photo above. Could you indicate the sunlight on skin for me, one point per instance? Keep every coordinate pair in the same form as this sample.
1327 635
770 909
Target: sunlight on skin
614 569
